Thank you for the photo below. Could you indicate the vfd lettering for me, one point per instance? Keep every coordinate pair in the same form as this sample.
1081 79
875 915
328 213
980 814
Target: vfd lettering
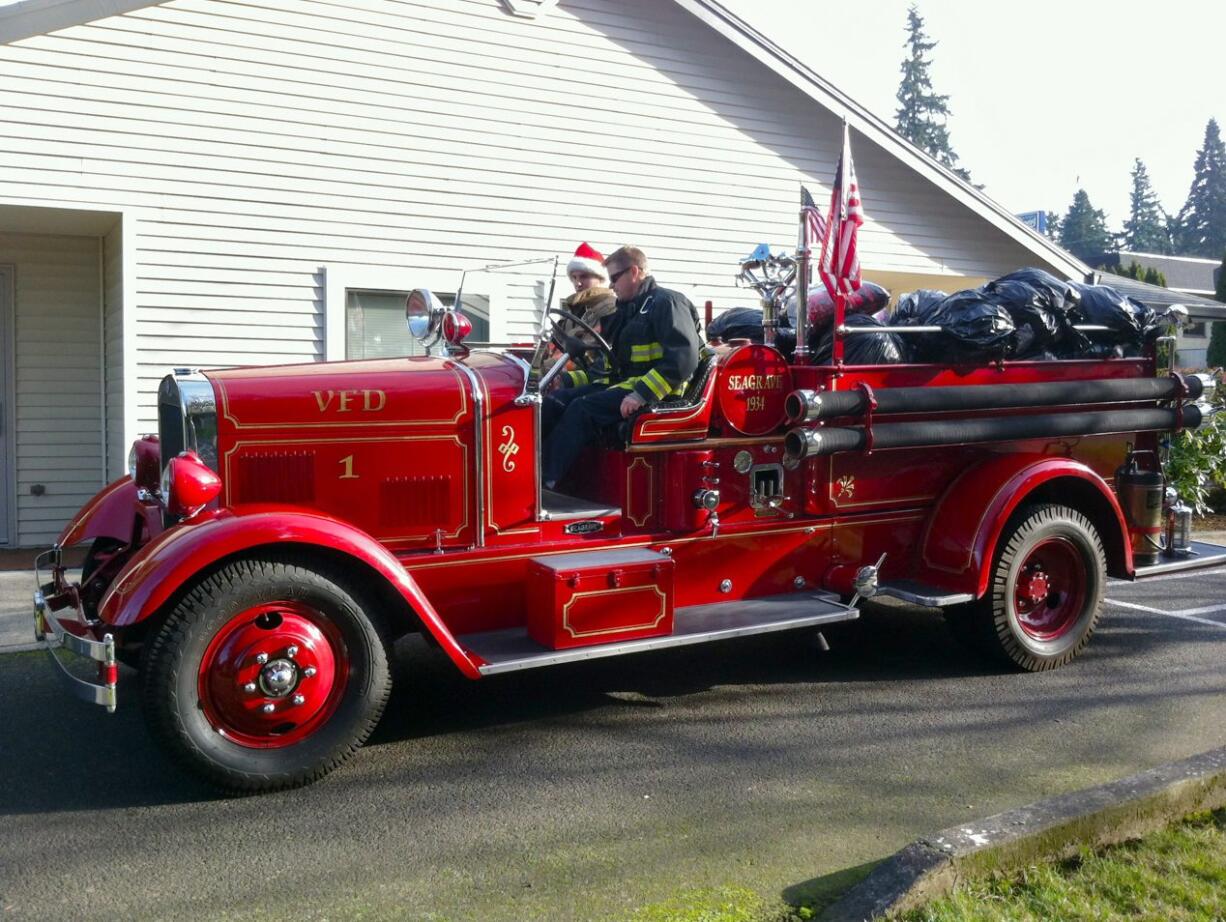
364 401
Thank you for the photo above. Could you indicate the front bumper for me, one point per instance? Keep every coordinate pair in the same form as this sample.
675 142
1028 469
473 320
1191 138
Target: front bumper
49 630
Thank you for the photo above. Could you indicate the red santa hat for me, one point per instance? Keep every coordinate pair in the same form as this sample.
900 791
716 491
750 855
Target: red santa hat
587 259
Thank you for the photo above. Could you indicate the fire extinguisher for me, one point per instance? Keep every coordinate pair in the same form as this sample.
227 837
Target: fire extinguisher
1141 494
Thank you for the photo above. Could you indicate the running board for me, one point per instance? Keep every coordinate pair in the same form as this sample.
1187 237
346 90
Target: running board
1202 555
512 650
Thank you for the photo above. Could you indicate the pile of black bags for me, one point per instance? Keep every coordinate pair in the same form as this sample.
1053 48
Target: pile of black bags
1027 315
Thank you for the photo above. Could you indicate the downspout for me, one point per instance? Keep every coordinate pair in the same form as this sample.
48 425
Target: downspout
102 350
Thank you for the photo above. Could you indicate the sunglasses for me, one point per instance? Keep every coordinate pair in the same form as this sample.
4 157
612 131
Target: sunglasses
616 275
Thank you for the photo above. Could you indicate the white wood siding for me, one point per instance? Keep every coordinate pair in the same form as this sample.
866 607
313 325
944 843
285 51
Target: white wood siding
263 142
58 359
112 293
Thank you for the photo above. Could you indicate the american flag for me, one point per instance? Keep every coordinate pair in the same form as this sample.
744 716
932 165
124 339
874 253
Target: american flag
840 264
814 227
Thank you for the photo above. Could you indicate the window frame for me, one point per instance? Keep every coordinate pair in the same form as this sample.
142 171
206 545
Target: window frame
338 280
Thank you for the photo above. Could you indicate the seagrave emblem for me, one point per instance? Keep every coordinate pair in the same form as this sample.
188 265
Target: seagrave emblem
508 449
847 486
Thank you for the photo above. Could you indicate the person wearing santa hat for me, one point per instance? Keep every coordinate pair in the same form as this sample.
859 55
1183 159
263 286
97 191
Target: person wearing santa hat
592 301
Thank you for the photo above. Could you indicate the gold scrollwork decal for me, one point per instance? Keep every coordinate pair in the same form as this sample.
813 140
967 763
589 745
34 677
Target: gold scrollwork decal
508 449
847 485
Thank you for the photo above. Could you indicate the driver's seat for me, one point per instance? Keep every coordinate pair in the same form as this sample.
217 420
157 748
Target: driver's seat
685 418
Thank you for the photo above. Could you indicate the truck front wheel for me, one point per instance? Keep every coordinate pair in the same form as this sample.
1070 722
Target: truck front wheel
266 675
1046 590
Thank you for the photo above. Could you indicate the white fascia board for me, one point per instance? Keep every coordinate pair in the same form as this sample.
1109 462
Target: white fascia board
38 17
827 95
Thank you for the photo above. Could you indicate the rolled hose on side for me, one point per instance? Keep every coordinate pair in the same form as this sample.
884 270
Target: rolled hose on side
806 405
805 442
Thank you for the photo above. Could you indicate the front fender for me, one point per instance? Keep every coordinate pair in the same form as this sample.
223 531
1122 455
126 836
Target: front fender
110 514
166 564
960 541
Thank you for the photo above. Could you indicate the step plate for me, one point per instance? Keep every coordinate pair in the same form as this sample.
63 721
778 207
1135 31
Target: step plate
1203 555
511 650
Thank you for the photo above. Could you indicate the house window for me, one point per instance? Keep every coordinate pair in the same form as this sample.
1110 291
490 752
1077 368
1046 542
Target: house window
1194 330
375 324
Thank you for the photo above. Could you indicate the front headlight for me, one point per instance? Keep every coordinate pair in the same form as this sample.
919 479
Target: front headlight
188 485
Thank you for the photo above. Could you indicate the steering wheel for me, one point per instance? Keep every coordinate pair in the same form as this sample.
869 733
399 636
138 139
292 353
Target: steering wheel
576 348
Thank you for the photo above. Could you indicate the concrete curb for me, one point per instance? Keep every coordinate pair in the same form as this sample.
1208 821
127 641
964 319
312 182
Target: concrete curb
1056 828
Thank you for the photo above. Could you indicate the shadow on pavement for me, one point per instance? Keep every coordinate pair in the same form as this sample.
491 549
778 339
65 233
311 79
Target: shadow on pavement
58 754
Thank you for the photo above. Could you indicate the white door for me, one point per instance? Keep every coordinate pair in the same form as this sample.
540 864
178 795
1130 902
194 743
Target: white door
7 399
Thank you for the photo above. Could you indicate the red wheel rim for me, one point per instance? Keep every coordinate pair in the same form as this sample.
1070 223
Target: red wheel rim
1050 591
272 675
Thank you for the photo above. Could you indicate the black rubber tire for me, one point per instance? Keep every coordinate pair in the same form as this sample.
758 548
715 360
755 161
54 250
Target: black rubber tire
991 624
170 695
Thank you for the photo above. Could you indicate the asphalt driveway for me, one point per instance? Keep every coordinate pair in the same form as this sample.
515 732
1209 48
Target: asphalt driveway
585 791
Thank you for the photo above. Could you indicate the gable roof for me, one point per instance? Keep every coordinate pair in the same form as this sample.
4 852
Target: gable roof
1155 296
35 17
1187 273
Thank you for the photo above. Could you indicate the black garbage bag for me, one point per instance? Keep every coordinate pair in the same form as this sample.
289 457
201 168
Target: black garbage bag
862 349
1129 322
974 325
1053 294
918 308
746 323
915 307
737 323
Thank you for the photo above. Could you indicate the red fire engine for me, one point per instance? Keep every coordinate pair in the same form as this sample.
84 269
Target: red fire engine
287 524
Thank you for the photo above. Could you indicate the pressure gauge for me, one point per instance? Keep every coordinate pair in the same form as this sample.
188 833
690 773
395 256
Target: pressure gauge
742 462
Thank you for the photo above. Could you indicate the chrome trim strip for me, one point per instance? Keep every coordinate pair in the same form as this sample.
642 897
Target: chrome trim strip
479 445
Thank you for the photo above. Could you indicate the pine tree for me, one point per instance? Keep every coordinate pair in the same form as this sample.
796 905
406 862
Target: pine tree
1083 230
1201 225
1053 225
922 113
1145 231
1154 277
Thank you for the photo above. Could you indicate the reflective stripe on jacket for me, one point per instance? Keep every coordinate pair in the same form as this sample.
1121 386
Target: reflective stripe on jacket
656 345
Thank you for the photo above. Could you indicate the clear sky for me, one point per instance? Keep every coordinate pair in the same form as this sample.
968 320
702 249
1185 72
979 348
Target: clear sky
1046 95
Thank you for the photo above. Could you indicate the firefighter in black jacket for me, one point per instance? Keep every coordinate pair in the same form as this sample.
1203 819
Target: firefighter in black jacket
656 348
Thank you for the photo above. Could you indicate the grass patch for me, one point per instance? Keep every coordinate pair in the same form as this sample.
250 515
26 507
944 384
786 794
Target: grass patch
720 904
1177 875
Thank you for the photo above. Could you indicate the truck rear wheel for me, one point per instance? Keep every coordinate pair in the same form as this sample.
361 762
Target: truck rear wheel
1046 590
265 676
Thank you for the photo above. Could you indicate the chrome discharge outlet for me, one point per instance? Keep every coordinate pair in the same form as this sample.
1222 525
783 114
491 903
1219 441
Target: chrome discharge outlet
800 443
802 406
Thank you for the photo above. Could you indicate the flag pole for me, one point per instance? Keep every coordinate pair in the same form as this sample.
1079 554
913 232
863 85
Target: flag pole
836 341
802 354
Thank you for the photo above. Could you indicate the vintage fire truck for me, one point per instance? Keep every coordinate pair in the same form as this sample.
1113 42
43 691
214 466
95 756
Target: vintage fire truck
287 524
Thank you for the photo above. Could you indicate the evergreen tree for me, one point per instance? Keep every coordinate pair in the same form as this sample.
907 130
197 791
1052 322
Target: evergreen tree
922 113
1083 230
1053 225
1145 231
1154 277
1201 225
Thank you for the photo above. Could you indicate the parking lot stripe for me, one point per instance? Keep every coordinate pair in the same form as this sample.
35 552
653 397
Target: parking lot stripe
1185 615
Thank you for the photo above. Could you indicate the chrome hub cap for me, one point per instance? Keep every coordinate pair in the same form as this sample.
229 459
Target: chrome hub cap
278 678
